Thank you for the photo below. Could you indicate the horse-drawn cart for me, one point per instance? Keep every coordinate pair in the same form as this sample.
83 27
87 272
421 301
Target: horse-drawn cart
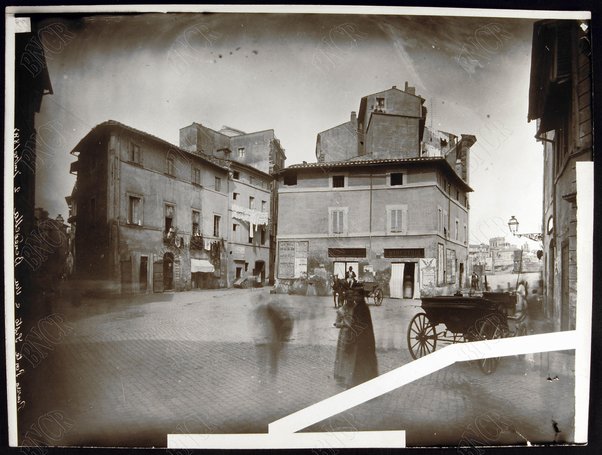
457 319
371 290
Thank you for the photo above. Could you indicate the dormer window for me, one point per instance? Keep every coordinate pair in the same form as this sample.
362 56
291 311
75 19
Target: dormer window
241 152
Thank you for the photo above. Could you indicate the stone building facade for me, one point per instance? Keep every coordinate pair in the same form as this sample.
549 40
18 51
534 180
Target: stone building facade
401 222
380 201
560 95
253 159
152 216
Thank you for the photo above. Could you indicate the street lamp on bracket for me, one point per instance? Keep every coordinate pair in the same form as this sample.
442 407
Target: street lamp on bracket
513 226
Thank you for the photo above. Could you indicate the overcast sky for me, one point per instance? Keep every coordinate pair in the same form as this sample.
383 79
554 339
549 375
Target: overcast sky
298 75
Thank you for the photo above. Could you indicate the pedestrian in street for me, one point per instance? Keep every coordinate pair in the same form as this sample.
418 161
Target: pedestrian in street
355 360
520 312
275 325
350 277
474 281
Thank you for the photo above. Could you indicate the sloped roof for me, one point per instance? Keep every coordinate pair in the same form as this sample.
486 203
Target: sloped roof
357 162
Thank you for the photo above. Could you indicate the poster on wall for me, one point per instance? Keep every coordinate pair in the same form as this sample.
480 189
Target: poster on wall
428 272
286 259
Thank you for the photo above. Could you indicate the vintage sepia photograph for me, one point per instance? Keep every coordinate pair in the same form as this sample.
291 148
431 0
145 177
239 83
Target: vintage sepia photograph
235 227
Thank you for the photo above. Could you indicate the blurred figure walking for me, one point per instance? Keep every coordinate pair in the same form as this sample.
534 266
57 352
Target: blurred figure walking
274 325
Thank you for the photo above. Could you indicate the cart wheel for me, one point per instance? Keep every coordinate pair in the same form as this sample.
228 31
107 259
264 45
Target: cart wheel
422 336
378 297
489 329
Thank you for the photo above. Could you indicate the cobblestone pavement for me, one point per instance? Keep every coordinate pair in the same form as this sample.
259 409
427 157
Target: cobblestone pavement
127 373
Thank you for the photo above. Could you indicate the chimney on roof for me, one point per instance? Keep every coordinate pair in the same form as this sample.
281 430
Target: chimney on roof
353 119
395 86
410 90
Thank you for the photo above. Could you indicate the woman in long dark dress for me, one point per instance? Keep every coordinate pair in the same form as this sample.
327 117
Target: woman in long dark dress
355 360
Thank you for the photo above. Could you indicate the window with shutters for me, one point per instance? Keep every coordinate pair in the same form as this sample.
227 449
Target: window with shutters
134 153
561 70
135 210
397 219
338 220
196 176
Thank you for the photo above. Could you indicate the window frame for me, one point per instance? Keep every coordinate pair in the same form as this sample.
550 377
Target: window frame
140 199
218 184
345 220
402 228
200 233
165 217
170 165
343 176
133 157
289 177
391 178
217 219
196 171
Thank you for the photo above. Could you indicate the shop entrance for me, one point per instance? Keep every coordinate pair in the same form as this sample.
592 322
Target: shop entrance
403 275
341 267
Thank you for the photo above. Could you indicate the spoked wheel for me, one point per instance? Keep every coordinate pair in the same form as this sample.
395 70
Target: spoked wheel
378 297
422 336
488 329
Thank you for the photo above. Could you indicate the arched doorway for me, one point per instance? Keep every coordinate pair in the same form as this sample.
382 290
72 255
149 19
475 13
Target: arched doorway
168 260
